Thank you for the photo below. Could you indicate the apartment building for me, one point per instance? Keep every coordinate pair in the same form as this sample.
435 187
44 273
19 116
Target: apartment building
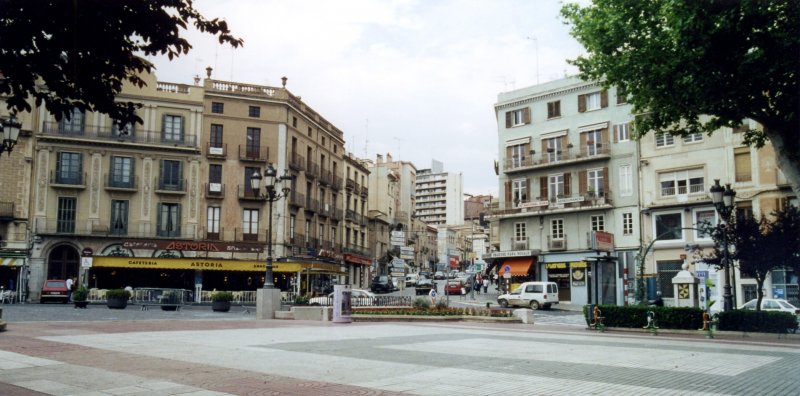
357 254
568 206
676 175
439 196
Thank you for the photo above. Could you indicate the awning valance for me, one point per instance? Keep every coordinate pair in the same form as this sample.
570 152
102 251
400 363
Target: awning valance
12 261
518 266
210 264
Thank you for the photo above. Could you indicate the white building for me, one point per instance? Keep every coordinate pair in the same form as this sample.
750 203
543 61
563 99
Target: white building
439 196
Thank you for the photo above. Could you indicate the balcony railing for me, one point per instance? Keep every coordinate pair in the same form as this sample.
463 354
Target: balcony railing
350 184
336 214
364 191
170 186
296 199
297 162
326 177
121 182
683 190
64 178
557 243
217 152
553 158
577 202
215 190
312 169
337 183
245 192
80 227
110 134
311 205
254 154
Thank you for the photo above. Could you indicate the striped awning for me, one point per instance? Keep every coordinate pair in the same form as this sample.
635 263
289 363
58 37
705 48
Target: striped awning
12 261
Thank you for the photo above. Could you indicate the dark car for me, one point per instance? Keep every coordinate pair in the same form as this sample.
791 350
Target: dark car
382 284
54 290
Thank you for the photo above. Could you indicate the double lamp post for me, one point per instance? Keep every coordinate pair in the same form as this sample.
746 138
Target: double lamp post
723 200
272 182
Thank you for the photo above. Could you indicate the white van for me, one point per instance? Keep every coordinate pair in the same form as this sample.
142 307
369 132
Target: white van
531 294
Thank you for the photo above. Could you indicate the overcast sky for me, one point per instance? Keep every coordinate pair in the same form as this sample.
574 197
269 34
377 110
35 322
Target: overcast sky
414 78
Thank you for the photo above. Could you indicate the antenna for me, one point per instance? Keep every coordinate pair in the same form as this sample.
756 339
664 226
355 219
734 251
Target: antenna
366 137
399 157
536 42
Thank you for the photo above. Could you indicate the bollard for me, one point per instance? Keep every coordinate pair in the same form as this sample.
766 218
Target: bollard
651 323
488 304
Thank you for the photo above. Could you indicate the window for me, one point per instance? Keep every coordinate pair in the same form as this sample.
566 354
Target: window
554 109
553 147
212 222
172 129
250 224
622 132
66 215
217 107
68 168
593 101
557 228
682 182
308 231
169 220
627 224
248 174
215 174
215 137
520 236
294 122
625 180
622 96
71 123
664 140
310 132
119 217
292 224
171 175
333 235
702 217
693 138
594 181
743 164
253 144
594 142
668 226
254 111
555 186
517 152
744 127
519 191
518 117
121 172
598 223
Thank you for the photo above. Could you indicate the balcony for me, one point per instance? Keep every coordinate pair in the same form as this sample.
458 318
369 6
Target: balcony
67 179
559 204
552 159
6 211
520 244
364 191
170 186
215 190
312 170
350 184
214 152
250 235
350 215
311 205
296 199
337 183
297 162
336 214
326 177
253 154
355 249
244 192
325 210
111 135
80 227
554 244
122 183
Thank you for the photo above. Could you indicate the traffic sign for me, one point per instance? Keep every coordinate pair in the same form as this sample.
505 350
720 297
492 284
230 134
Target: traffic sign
507 269
86 262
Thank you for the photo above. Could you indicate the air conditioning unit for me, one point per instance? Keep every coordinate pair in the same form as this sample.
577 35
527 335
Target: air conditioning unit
215 150
520 245
215 187
557 244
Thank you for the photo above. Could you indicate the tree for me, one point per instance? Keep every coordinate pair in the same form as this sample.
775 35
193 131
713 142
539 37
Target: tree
78 54
697 66
787 229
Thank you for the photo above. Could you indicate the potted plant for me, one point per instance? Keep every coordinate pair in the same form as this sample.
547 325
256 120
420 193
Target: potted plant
79 297
221 301
169 301
117 298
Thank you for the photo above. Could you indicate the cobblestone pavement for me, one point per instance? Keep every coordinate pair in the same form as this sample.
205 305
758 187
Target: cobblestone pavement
195 352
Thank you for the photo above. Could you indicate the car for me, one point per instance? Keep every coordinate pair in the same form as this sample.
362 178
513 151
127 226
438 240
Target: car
381 284
55 290
411 280
358 298
438 275
772 304
454 286
531 294
424 285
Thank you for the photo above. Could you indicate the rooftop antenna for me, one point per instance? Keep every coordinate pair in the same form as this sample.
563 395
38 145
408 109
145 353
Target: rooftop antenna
399 156
366 137
536 42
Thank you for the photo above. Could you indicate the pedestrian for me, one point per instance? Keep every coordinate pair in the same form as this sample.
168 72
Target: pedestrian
477 283
485 285
432 295
496 283
70 283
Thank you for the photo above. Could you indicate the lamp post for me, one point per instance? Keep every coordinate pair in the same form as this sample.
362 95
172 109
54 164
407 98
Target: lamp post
271 184
723 199
9 133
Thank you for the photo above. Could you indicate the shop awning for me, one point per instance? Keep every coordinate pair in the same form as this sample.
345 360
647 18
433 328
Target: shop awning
12 261
209 264
518 266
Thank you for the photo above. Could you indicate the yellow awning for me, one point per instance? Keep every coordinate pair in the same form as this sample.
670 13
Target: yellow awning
208 264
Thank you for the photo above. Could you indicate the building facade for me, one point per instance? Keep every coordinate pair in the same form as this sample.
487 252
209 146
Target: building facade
439 196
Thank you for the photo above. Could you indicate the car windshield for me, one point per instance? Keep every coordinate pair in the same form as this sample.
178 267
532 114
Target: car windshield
785 304
56 284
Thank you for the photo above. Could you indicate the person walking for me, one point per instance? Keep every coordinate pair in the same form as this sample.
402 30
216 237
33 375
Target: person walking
432 295
70 286
476 285
485 285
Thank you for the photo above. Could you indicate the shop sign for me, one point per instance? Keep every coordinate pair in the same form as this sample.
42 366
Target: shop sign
87 252
357 259
602 241
561 201
533 204
208 264
578 277
514 253
330 254
197 246
571 264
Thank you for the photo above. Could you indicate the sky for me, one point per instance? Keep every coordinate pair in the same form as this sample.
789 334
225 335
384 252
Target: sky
417 79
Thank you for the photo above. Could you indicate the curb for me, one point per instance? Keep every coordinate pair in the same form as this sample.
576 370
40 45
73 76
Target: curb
702 333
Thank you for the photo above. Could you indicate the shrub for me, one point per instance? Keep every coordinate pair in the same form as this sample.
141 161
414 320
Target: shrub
222 296
421 303
80 294
118 293
301 300
441 304
636 316
757 321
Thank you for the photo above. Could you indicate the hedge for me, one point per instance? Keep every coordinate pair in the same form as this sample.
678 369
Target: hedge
758 321
636 316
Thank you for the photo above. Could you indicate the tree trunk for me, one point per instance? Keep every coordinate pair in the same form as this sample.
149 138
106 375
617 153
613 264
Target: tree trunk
787 154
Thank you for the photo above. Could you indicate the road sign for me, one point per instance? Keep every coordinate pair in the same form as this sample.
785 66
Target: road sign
507 269
86 262
399 263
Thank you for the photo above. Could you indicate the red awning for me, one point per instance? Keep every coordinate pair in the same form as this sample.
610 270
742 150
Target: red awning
518 266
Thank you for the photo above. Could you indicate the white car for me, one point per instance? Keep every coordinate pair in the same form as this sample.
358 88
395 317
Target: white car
772 304
358 297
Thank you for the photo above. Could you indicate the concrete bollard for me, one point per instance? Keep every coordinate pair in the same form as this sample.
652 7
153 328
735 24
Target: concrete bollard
525 314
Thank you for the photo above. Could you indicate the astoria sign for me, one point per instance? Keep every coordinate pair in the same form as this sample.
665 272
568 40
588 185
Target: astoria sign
204 246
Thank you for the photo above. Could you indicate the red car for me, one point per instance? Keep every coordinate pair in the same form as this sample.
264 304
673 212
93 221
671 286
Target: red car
453 286
55 290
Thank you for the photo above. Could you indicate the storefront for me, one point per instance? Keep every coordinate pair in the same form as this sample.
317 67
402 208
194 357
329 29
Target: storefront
567 275
13 276
514 267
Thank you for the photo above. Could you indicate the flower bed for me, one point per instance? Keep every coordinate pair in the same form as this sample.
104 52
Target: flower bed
492 313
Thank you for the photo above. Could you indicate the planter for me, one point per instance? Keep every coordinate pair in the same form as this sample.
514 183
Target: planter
169 307
81 304
221 306
117 302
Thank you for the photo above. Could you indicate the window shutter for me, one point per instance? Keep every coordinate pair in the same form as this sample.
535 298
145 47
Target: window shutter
582 179
508 194
604 137
551 109
603 99
526 115
742 164
527 189
544 147
509 153
557 109
543 187
581 103
563 142
178 218
183 127
584 139
616 133
605 181
567 182
163 125
509 119
159 224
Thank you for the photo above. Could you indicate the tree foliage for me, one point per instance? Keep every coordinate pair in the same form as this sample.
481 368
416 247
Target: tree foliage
79 53
697 66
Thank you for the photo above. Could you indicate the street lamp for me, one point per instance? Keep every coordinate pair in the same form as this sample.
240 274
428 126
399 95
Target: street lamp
271 183
723 197
9 133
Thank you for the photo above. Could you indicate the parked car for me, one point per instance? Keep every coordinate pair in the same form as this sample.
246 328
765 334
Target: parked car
54 290
772 304
358 298
411 280
454 286
438 275
531 294
424 285
381 284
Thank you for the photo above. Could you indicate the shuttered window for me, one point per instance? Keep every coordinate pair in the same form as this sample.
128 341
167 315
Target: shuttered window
742 163
554 109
